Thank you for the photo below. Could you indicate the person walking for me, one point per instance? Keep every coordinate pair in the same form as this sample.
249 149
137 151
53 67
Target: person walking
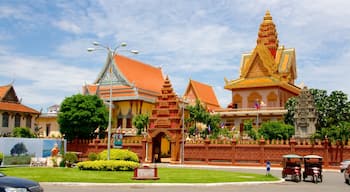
268 167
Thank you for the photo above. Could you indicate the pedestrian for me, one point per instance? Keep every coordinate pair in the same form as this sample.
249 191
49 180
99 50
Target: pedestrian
268 167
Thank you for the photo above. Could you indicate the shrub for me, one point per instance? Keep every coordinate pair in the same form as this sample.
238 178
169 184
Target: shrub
1 156
119 154
70 158
105 165
92 156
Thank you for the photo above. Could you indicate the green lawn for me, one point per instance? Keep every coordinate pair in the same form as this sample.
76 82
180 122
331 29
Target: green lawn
167 175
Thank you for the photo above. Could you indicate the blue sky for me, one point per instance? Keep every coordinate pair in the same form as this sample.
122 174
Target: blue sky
43 43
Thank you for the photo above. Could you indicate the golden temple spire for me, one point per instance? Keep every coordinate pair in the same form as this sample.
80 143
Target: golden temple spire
267 34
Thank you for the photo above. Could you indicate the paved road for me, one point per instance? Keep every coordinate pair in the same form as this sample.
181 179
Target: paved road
333 182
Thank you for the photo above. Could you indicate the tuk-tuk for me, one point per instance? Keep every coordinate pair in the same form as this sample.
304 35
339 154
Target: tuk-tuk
313 168
291 164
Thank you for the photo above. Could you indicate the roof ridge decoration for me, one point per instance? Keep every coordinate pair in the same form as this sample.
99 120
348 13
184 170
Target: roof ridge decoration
267 34
8 94
111 74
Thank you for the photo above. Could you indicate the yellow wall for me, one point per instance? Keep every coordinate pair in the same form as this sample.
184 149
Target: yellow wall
123 107
43 122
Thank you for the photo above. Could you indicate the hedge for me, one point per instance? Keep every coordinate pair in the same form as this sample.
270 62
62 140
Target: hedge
119 154
108 165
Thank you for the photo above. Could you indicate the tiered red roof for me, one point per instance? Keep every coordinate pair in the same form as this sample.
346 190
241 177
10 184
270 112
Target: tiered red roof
166 113
9 101
140 81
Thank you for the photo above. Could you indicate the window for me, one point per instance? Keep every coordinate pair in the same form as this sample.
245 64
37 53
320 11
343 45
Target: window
5 119
48 129
129 123
17 120
29 121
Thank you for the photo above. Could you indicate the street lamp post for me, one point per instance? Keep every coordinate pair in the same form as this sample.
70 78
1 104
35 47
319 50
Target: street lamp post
111 54
182 149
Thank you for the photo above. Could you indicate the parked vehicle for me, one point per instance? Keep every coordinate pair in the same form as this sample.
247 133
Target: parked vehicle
15 184
344 164
291 164
346 174
313 168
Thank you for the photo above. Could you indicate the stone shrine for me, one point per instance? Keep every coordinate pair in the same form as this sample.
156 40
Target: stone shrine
305 116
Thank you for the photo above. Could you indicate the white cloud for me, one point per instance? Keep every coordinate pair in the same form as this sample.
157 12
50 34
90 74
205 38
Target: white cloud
68 26
41 80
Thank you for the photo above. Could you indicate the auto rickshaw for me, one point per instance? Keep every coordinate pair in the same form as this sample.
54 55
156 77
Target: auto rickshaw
313 168
291 164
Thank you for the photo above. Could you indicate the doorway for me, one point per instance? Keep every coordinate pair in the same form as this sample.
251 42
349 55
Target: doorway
161 149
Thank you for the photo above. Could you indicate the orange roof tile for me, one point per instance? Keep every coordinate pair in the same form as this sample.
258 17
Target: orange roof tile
92 89
144 76
16 107
4 90
204 93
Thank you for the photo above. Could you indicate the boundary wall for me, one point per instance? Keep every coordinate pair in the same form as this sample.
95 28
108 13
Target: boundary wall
231 152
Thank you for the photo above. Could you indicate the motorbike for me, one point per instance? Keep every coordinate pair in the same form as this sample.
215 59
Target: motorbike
292 166
313 168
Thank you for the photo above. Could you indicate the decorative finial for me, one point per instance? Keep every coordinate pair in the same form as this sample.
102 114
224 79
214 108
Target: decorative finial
267 17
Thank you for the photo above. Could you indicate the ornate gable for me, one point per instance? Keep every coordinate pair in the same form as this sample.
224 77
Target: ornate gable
111 74
260 64
8 94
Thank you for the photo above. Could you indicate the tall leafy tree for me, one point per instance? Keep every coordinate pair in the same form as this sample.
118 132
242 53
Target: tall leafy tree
338 108
80 115
199 114
141 122
290 106
321 104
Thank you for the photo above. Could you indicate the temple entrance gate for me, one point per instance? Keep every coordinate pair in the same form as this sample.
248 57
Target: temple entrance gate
163 145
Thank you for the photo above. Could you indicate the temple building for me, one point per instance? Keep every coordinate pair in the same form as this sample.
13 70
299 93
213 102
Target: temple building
13 113
266 81
204 93
132 86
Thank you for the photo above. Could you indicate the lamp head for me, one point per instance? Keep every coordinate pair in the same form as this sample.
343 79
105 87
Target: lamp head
134 51
123 44
91 49
96 43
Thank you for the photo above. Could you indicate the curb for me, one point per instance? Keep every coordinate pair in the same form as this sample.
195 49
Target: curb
161 184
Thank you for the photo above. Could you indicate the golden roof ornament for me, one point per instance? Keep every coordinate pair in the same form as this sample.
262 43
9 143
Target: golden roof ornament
267 34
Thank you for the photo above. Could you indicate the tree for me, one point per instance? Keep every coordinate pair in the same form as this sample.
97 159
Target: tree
18 149
290 106
80 115
140 122
276 130
331 109
198 114
248 128
22 132
338 108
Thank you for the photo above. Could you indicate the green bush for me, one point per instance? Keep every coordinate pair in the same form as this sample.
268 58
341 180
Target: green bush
1 156
92 156
70 158
105 165
119 154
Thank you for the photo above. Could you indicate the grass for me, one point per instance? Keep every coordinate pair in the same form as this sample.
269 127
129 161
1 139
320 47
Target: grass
167 175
